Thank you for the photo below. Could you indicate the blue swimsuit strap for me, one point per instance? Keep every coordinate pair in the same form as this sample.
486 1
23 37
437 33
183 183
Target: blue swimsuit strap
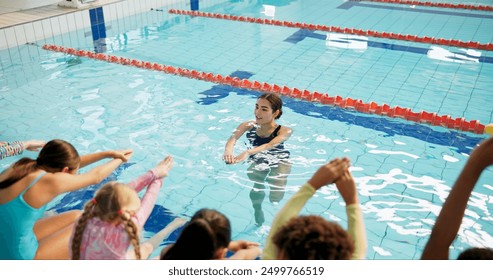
274 133
33 182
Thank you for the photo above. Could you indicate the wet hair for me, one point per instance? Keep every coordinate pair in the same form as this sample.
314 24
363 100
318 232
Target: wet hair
275 102
106 206
53 157
313 238
476 253
207 232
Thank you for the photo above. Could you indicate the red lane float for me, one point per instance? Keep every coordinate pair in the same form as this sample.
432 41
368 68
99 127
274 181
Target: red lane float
323 98
336 29
433 4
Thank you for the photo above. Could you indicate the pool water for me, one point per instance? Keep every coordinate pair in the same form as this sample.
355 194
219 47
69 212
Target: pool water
404 170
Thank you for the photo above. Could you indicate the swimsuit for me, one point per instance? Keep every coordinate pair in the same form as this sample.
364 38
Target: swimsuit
17 219
270 157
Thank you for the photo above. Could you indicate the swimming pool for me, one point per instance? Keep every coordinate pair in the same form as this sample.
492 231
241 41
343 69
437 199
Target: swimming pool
403 169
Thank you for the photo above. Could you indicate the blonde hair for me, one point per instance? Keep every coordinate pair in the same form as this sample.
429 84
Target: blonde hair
107 205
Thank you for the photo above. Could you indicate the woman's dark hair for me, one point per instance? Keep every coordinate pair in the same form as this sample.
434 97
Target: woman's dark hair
207 232
275 102
54 156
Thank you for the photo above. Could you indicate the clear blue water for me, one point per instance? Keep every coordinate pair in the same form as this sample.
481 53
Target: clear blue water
404 170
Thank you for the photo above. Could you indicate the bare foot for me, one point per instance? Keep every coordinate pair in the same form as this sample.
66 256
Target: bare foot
163 167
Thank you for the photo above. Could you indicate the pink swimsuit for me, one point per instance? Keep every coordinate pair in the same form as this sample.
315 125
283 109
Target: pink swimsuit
106 241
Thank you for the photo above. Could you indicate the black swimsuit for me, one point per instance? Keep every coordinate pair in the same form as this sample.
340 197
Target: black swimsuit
272 156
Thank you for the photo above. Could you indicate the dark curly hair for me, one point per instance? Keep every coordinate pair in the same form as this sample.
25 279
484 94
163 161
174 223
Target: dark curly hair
476 253
313 238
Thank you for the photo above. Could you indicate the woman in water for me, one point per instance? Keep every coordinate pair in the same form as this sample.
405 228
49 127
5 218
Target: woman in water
269 159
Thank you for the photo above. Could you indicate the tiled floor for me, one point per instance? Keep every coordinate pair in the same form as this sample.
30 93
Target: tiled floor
9 6
12 14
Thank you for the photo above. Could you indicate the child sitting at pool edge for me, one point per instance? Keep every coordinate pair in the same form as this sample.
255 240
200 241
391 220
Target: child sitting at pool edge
114 218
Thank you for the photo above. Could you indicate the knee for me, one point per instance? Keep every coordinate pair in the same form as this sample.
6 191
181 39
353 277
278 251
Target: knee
276 195
257 176
257 194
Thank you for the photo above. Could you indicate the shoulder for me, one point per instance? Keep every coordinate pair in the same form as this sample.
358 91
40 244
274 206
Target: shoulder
38 187
247 125
47 178
242 128
286 130
38 175
56 181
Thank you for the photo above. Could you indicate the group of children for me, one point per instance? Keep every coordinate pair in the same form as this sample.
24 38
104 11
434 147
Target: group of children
110 225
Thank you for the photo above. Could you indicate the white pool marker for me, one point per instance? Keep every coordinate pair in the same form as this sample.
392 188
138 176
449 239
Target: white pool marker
346 41
269 10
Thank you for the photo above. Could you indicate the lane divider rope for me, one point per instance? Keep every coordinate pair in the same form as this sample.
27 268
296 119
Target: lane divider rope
336 29
346 103
432 4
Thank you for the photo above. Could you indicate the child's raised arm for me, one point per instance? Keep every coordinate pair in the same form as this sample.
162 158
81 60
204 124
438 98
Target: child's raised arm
450 218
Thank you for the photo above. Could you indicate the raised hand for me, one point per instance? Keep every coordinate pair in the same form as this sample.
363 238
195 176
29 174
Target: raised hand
329 172
347 188
450 218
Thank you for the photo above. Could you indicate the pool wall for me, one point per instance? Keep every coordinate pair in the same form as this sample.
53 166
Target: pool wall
85 22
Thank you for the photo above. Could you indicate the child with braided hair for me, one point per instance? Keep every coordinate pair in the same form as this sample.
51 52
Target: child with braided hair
113 219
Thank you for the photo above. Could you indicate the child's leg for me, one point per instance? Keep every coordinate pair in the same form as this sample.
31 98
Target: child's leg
48 226
53 234
152 243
